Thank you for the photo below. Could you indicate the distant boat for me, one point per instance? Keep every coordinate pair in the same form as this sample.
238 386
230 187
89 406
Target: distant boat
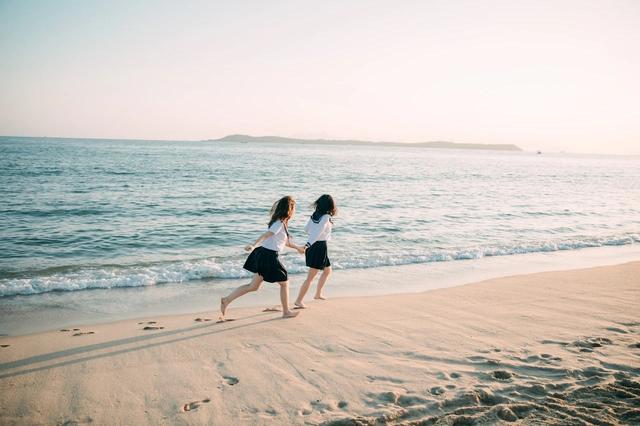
539 152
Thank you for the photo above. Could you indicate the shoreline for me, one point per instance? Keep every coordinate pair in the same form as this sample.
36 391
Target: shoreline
49 311
537 348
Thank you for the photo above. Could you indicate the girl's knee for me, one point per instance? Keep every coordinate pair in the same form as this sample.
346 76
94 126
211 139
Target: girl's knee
327 270
284 283
255 286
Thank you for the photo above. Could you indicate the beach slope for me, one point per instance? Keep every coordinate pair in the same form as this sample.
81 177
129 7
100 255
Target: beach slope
553 347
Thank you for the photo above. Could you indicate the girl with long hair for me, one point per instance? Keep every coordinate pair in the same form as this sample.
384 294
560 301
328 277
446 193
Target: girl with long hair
316 254
263 260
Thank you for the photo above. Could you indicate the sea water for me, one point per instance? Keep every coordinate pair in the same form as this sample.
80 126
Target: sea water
110 214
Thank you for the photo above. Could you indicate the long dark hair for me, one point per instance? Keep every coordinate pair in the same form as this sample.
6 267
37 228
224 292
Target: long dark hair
282 209
324 205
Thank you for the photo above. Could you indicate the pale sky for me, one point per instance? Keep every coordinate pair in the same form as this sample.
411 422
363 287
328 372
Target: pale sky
551 75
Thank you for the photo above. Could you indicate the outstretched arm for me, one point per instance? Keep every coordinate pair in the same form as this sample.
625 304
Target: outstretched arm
260 239
293 245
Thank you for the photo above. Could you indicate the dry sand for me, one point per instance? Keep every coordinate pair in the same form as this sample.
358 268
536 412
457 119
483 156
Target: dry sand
553 347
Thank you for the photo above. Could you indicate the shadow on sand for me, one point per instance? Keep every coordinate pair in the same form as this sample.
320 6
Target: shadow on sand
88 350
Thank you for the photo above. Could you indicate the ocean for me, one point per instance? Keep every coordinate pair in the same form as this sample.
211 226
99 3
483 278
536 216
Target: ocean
101 230
84 214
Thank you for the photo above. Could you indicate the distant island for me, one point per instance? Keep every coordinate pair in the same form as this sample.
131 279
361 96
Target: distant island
434 144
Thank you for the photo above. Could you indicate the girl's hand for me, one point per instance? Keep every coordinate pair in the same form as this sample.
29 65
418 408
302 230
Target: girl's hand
248 248
301 250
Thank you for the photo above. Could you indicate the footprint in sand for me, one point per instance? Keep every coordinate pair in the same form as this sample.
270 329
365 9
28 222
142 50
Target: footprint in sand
390 396
202 319
82 333
502 375
194 405
385 379
231 380
321 407
554 342
592 342
4 346
537 359
150 326
411 400
437 390
476 359
535 389
396 398
504 413
75 422
64 329
548 358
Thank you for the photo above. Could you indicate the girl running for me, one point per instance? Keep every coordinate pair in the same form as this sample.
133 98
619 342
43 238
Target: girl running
263 260
319 229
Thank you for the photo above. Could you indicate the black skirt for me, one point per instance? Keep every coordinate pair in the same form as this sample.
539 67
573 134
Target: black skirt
265 263
316 256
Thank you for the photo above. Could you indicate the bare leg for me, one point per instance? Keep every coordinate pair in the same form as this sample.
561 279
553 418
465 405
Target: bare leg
305 287
323 279
284 298
254 285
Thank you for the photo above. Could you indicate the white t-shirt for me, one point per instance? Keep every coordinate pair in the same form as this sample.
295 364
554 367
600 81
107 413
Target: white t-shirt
279 238
320 230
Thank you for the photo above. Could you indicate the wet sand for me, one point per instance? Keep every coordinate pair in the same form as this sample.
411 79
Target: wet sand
552 347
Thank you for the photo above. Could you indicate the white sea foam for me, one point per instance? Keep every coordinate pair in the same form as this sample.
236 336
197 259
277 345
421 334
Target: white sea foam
183 272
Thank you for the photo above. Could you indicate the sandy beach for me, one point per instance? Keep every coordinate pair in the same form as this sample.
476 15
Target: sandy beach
551 347
469 172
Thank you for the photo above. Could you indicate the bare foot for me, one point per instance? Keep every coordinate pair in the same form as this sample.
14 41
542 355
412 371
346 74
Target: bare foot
223 307
290 314
272 309
319 297
299 305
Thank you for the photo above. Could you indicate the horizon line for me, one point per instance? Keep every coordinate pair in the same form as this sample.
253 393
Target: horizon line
317 140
